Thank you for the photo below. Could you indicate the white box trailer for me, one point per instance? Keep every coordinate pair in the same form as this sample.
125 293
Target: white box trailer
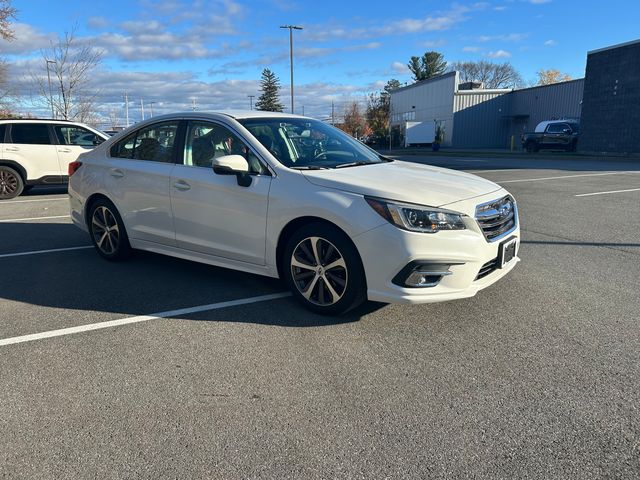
419 133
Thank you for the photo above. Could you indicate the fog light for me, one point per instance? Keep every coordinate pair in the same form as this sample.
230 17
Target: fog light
422 275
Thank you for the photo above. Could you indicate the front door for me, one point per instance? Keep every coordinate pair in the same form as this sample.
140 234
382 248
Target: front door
212 213
72 142
138 175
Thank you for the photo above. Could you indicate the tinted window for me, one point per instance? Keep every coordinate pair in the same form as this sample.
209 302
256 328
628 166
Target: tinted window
206 141
30 133
3 128
69 135
557 127
154 143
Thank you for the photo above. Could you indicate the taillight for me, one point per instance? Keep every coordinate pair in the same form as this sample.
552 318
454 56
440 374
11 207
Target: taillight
73 167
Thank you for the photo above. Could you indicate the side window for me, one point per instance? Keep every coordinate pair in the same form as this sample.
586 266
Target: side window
206 141
70 135
3 128
30 133
154 143
555 128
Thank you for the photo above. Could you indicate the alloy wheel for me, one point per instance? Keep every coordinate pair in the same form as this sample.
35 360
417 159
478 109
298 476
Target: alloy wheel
105 230
9 183
319 271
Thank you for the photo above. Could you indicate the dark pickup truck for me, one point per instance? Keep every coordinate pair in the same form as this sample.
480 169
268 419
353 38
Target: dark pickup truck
558 135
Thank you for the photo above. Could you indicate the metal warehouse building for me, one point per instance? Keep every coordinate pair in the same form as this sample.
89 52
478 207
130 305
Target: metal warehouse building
606 101
478 118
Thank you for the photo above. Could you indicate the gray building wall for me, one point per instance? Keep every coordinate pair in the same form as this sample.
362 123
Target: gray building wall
530 106
477 119
611 108
426 101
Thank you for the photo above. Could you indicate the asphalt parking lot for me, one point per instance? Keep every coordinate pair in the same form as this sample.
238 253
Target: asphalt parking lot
535 377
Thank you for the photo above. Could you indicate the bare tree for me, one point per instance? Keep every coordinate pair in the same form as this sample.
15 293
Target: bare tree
70 65
7 12
547 77
492 75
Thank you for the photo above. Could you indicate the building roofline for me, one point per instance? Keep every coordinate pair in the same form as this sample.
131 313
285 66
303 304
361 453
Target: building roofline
424 82
549 85
625 44
479 91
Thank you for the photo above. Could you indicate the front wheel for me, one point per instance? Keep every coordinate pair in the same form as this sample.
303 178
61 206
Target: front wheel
323 270
107 231
11 184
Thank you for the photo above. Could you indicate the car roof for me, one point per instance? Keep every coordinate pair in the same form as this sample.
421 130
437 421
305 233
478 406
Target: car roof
40 120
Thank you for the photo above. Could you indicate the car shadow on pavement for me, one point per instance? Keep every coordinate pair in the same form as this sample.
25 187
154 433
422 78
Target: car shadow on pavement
147 283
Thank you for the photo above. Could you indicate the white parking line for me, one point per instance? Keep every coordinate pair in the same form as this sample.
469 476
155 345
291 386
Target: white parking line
477 172
611 191
35 200
38 252
138 319
563 176
7 220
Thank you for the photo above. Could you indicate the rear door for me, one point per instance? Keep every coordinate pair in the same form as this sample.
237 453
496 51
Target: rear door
72 141
31 146
137 178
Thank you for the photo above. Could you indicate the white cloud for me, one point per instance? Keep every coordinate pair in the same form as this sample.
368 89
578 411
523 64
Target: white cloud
510 37
550 43
471 49
399 68
434 43
500 8
498 54
27 40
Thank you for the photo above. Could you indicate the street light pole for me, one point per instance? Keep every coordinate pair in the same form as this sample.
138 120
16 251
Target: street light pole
250 101
291 29
49 80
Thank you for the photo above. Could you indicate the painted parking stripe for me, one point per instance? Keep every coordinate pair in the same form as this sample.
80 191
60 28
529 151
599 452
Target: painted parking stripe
7 220
34 200
563 176
610 191
140 318
38 252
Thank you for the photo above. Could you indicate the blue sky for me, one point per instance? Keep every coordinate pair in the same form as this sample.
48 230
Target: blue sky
171 52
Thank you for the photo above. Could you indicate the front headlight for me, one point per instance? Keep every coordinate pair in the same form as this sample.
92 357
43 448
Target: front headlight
416 218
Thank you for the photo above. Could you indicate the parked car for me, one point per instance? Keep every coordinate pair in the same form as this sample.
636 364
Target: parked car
292 197
552 134
34 152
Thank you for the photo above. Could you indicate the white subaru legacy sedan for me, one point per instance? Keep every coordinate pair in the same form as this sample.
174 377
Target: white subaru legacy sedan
291 197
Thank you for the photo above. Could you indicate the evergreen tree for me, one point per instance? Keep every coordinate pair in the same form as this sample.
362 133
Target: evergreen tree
269 99
427 66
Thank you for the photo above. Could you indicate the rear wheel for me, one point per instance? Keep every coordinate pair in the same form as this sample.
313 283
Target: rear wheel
108 234
323 270
11 183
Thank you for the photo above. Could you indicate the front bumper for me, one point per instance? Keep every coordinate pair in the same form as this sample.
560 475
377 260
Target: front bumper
386 250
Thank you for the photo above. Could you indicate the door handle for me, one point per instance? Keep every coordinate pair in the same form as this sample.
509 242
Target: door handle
64 150
116 172
12 149
181 185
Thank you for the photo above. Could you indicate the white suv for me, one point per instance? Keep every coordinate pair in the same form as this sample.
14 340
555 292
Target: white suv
36 152
292 197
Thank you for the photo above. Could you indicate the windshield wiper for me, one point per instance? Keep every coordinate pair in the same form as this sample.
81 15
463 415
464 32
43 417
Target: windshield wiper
354 164
309 167
386 159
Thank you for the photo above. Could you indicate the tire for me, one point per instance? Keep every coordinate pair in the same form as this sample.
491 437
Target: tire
107 231
328 291
531 147
11 183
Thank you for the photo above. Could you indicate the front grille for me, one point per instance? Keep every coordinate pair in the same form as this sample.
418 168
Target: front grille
497 218
489 267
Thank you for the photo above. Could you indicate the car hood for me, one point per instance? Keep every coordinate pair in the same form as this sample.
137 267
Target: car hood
404 181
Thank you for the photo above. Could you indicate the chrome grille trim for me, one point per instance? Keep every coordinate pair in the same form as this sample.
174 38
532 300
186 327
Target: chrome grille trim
497 218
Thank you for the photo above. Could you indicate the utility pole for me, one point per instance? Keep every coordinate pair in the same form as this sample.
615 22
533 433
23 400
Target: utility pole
151 106
250 101
53 115
333 117
193 104
303 110
142 108
126 106
291 29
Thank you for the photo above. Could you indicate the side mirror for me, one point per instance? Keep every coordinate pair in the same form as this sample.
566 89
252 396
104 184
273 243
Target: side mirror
566 130
233 165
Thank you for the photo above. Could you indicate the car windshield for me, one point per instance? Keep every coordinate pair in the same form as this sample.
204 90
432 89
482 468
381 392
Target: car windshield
303 143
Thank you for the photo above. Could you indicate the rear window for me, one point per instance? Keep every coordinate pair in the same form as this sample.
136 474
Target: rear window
30 133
